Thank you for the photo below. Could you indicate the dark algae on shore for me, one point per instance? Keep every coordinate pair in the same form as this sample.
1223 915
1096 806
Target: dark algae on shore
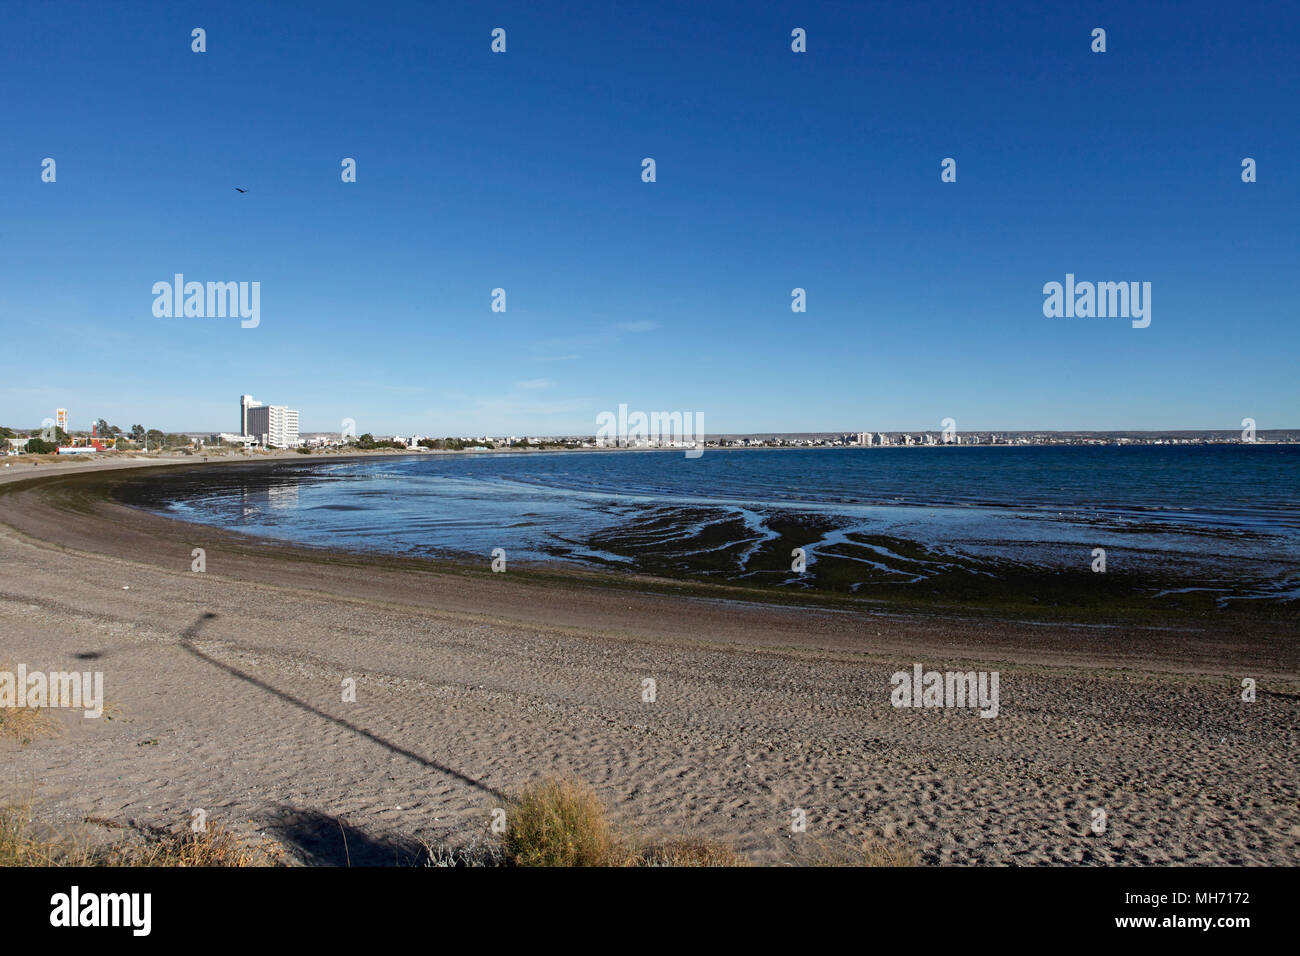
1186 536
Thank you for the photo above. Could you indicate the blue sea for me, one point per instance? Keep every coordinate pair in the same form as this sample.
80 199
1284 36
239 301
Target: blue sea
1214 512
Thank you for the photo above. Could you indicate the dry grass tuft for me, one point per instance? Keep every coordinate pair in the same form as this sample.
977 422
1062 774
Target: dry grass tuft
874 851
23 844
473 855
888 853
25 724
215 846
558 823
563 823
688 851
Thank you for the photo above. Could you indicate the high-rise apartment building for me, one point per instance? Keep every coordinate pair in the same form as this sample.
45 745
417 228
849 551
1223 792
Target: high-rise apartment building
245 403
275 426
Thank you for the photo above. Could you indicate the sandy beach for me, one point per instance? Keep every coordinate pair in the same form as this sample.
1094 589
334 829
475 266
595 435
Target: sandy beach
224 689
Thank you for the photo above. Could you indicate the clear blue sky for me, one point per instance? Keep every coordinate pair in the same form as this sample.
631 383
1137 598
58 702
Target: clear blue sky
775 170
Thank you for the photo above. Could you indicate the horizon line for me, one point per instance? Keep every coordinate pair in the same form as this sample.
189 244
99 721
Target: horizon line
745 434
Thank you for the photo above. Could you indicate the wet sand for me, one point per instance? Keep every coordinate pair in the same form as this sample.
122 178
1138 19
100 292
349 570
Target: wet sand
225 689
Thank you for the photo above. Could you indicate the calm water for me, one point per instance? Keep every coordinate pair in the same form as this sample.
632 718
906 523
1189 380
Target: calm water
1231 511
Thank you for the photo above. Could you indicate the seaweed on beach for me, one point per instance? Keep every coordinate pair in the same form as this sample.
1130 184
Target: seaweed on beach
746 551
720 544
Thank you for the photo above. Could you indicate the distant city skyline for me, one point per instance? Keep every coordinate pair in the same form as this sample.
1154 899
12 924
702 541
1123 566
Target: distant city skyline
373 300
249 406
351 427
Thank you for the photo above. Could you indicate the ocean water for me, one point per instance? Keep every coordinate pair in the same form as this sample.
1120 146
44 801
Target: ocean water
1226 513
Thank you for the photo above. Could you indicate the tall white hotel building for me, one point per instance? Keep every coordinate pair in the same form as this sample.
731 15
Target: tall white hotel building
275 426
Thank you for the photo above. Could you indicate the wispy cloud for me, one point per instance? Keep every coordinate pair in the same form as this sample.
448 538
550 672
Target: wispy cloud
601 337
534 383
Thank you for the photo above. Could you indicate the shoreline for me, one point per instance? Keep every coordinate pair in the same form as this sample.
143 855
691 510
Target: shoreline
573 595
226 687
685 547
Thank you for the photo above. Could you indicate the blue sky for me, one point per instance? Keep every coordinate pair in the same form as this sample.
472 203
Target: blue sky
775 170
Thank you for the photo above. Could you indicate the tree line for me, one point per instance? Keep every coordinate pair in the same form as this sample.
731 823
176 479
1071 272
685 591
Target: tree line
47 441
